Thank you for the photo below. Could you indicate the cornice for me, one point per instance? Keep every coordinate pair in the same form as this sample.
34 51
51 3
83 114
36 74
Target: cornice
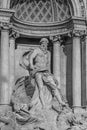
39 29
79 23
40 24
5 15
5 25
48 29
6 12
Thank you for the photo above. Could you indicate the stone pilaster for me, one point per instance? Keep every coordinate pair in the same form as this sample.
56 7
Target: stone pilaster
13 36
76 70
12 65
5 25
4 66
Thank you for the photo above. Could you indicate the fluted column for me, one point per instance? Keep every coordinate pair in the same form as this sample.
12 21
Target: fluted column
86 69
12 65
56 58
76 70
4 100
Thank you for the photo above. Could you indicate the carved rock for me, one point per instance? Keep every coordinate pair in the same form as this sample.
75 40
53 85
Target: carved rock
28 114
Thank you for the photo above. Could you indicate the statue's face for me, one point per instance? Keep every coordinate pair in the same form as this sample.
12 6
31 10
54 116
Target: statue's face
43 46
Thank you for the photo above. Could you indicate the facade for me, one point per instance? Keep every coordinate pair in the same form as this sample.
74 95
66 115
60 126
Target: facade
64 22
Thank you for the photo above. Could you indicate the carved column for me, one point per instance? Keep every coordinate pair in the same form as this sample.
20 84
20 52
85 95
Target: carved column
56 58
76 70
4 66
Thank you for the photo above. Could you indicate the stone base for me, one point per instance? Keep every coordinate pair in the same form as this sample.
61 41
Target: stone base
78 109
5 109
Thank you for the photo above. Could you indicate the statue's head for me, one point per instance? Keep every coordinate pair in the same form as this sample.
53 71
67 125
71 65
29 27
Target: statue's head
44 43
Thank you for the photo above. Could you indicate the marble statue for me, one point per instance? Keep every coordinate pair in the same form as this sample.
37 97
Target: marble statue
39 68
37 102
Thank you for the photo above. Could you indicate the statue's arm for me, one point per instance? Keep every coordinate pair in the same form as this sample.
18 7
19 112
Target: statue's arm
23 63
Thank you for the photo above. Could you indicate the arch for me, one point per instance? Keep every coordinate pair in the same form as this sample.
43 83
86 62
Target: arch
77 7
50 28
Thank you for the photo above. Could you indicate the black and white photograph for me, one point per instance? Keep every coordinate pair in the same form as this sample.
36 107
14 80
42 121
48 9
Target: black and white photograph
43 64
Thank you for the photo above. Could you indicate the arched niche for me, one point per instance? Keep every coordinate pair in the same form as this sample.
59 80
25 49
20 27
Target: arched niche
45 18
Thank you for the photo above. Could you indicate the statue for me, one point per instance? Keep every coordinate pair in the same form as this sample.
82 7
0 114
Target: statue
39 68
48 100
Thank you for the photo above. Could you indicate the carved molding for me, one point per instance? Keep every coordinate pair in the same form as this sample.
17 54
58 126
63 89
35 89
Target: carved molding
82 8
42 29
5 15
52 29
79 23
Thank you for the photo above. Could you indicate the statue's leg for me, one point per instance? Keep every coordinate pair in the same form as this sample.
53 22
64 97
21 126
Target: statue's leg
39 81
54 88
58 96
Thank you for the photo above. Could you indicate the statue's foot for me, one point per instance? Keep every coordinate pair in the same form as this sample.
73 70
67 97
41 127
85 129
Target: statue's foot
63 104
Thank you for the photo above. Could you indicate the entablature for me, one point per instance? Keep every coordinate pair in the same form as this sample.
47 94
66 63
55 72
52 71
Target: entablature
51 29
5 15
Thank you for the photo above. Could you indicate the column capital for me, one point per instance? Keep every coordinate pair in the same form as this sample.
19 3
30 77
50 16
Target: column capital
86 33
5 25
13 34
78 33
56 39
